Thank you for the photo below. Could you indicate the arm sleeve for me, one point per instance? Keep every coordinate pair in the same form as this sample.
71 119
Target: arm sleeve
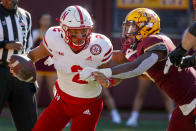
47 41
106 51
29 43
109 51
127 72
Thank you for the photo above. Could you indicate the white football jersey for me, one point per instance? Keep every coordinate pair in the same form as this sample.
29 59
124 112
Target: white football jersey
68 64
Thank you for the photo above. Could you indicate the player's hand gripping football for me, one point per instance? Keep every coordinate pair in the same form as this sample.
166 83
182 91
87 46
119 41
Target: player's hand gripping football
22 68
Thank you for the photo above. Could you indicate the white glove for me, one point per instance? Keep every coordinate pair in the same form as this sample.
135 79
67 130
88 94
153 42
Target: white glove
85 74
91 78
106 71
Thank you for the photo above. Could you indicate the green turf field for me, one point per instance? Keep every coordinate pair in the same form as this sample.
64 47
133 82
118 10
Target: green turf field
104 125
148 121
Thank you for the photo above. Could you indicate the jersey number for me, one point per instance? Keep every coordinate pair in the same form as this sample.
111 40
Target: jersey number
76 78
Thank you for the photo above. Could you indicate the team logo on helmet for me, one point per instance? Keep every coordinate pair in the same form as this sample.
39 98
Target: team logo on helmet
146 20
95 49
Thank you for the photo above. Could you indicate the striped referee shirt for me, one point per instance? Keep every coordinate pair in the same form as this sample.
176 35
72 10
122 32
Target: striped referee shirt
15 26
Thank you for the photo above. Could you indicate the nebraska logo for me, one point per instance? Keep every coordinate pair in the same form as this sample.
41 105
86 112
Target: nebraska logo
95 49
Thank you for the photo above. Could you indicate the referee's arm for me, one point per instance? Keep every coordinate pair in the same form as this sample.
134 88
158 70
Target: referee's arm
29 43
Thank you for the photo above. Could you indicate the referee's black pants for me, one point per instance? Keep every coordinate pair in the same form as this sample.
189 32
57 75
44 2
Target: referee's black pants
20 98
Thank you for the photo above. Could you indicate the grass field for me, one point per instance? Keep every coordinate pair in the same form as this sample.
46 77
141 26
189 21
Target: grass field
149 121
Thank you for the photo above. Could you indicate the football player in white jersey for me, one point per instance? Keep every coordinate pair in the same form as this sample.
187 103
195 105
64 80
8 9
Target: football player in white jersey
73 46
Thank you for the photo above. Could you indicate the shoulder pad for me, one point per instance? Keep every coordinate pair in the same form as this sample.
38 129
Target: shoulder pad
156 47
105 45
49 38
153 42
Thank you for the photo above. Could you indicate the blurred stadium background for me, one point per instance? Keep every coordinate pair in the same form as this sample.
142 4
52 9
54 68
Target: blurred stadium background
108 15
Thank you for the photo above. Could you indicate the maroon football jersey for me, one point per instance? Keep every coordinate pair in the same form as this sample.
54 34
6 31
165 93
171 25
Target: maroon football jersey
180 86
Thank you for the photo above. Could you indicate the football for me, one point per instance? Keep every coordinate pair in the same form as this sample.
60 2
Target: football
23 68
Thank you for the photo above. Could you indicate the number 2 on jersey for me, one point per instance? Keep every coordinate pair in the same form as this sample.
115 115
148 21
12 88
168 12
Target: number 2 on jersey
76 78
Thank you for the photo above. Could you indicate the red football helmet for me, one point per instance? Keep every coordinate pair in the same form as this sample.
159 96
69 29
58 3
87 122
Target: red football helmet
72 19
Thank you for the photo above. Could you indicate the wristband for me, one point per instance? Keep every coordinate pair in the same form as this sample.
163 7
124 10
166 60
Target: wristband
111 83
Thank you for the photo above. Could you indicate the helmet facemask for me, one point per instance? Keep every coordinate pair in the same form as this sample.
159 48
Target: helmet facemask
128 37
76 38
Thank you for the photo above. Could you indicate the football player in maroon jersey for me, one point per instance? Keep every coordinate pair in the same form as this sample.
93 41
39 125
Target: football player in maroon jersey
147 50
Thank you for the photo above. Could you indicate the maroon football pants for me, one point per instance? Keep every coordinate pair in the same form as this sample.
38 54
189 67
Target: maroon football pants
179 122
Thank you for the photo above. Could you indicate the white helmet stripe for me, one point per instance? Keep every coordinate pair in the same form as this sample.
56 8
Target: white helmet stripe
80 13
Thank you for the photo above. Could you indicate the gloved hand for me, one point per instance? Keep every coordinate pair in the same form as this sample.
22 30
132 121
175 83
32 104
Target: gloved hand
86 73
177 55
188 61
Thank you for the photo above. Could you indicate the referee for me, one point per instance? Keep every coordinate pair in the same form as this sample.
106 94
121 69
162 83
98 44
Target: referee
15 38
